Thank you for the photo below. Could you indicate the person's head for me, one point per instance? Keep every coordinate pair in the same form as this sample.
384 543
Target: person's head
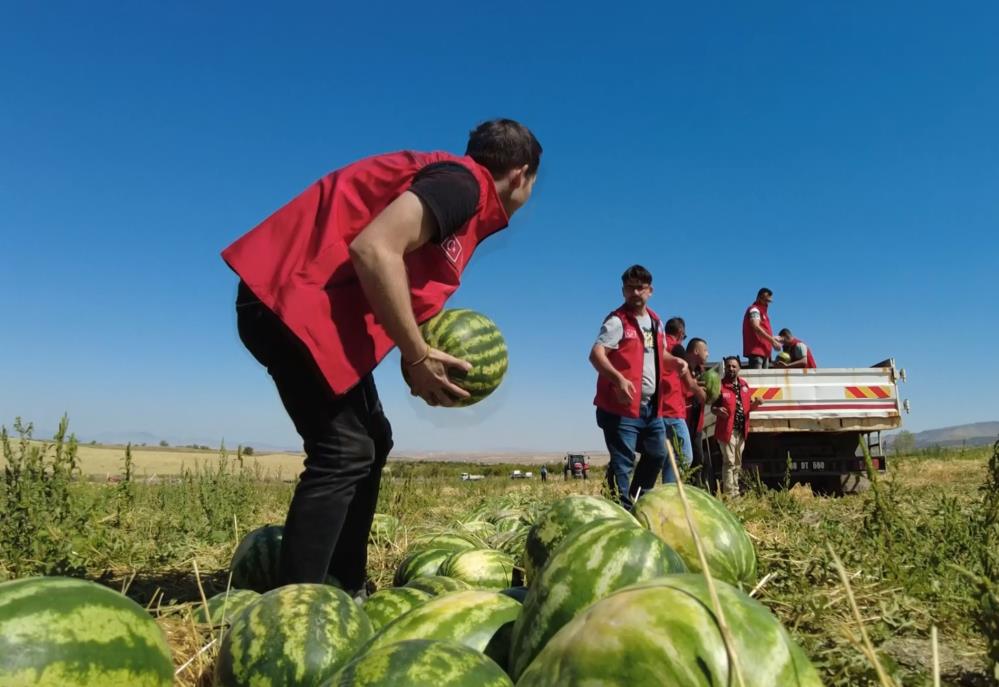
636 287
677 328
785 336
512 155
697 352
732 367
764 296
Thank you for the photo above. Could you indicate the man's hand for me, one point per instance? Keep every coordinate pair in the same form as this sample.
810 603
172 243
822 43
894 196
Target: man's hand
625 390
721 411
429 378
755 401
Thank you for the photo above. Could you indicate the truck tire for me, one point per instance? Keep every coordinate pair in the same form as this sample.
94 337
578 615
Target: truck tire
839 485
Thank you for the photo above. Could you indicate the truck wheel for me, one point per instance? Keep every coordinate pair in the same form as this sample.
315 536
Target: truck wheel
855 484
827 485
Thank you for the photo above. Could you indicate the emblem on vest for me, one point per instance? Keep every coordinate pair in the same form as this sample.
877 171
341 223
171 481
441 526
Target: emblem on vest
629 334
452 249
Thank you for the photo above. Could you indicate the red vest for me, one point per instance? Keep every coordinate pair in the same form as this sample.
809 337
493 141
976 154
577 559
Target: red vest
752 342
810 360
674 391
689 402
628 359
297 261
724 427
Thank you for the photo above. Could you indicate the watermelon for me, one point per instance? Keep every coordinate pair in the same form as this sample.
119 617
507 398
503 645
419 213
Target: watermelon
472 337
480 568
561 518
512 542
436 585
712 384
222 608
383 529
386 605
480 620
727 547
479 528
256 564
420 563
299 634
452 541
421 663
663 632
595 560
59 631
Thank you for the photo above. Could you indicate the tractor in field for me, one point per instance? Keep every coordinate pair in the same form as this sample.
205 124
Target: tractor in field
576 464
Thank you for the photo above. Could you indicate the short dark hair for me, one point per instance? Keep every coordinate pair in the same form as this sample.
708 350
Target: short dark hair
693 344
636 273
675 325
500 145
785 332
764 292
733 357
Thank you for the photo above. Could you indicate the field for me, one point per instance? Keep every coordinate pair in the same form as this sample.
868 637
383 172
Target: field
168 541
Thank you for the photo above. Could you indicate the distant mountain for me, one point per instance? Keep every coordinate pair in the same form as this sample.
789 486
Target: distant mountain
974 434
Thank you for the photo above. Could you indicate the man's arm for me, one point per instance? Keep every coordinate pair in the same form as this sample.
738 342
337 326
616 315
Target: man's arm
695 388
378 254
603 366
755 323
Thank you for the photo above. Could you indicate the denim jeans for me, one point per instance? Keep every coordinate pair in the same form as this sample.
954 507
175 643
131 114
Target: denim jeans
623 436
346 439
758 362
677 433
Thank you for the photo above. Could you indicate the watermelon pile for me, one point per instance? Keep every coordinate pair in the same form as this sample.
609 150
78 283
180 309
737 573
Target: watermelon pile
515 594
475 338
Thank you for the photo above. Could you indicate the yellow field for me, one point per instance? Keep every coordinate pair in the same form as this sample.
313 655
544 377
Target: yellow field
105 461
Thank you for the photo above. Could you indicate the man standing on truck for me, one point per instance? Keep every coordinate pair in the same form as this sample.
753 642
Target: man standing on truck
629 356
798 351
732 409
758 338
337 278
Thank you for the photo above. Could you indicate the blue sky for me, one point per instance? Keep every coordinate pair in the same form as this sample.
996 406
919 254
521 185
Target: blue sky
845 156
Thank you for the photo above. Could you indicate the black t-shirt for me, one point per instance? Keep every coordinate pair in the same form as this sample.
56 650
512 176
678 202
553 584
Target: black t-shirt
450 192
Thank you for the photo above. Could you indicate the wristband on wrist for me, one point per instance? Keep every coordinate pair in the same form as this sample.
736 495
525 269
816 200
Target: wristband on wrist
421 358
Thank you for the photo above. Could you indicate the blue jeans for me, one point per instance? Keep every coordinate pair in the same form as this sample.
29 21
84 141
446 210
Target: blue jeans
677 432
623 435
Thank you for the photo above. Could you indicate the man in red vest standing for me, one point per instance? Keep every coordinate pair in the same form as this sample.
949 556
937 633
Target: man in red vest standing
732 409
334 280
629 356
758 338
797 350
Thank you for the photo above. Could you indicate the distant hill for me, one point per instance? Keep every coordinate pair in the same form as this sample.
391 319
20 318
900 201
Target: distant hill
974 434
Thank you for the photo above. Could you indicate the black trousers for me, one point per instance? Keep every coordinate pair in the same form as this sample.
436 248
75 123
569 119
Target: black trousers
346 439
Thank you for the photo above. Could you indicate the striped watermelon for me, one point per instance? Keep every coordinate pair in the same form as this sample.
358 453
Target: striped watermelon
663 632
383 529
595 560
421 663
511 541
727 547
58 631
386 605
299 634
562 517
712 384
222 608
480 568
452 541
475 338
435 585
478 619
479 528
256 564
420 563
